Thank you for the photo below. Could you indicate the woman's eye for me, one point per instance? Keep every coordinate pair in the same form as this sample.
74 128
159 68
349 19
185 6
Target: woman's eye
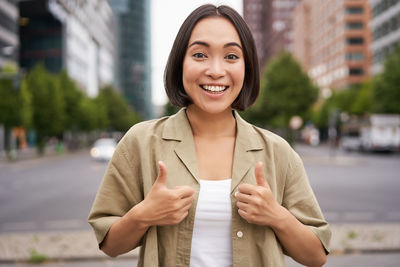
199 55
232 57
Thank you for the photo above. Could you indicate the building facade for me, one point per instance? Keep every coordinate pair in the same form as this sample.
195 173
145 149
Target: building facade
385 27
258 15
133 69
331 40
271 25
74 35
9 41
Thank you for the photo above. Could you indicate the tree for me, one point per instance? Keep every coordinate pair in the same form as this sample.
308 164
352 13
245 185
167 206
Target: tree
15 102
93 115
386 92
120 115
72 101
48 105
286 91
364 101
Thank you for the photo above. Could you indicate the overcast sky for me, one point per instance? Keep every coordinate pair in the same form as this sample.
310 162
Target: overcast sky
166 18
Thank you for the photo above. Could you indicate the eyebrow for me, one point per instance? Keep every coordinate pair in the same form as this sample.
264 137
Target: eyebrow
207 45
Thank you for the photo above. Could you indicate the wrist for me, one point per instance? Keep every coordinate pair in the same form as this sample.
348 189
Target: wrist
137 217
282 219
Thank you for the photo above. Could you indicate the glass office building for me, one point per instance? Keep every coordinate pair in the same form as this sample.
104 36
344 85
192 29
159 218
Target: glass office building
133 71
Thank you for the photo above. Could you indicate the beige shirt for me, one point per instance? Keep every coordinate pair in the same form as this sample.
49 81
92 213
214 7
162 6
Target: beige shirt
133 170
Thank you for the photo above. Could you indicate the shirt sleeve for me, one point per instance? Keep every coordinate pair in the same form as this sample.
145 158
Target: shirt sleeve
300 200
119 191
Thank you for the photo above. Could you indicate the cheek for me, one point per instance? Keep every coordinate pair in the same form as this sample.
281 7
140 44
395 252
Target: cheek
239 74
188 72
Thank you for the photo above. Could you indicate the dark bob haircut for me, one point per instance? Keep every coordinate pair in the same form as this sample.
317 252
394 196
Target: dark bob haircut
173 72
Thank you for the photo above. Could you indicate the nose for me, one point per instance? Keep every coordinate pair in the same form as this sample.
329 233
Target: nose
216 68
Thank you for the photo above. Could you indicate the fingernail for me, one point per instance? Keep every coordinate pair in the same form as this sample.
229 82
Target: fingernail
236 193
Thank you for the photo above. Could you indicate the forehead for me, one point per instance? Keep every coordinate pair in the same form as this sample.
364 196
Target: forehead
215 29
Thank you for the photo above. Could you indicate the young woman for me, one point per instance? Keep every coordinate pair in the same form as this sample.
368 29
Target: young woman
203 187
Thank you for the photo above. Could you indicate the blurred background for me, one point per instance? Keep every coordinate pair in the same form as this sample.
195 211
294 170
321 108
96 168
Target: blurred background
75 75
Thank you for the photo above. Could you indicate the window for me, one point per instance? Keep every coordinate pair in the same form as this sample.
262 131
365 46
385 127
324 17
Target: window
356 71
355 41
354 10
354 25
355 56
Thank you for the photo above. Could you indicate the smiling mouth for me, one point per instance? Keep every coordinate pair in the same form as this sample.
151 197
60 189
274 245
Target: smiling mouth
214 89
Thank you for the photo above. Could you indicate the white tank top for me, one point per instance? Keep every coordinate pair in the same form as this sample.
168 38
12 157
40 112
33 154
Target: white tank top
212 231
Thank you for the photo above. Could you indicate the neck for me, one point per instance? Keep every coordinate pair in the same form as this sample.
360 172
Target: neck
211 125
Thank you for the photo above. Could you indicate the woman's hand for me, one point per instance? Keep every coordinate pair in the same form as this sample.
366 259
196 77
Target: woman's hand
256 203
163 206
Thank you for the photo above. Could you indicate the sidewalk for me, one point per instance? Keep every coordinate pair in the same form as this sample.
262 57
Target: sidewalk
82 245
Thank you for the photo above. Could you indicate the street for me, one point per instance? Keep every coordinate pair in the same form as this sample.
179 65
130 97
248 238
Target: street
56 193
48 194
354 187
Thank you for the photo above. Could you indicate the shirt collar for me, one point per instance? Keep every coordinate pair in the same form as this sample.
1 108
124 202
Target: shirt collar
177 128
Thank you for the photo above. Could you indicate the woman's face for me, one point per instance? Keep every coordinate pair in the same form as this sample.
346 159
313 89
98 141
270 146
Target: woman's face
213 66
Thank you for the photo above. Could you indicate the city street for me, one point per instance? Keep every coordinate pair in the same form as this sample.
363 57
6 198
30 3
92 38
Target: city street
56 193
49 193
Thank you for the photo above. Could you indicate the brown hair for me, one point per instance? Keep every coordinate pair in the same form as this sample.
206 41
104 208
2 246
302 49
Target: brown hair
173 71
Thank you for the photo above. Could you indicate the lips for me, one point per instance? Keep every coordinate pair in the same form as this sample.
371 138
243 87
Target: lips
214 88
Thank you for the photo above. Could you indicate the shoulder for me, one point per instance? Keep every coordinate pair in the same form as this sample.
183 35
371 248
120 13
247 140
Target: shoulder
266 137
144 130
147 132
274 145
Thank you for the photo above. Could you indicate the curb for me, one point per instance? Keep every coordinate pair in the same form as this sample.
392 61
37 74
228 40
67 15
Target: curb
82 245
71 246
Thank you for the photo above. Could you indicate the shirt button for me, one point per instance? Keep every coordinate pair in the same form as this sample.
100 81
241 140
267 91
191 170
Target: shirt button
239 234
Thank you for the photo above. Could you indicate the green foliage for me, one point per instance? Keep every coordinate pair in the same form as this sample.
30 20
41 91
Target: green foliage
286 91
386 91
47 101
92 115
120 115
15 103
72 101
37 258
170 109
363 103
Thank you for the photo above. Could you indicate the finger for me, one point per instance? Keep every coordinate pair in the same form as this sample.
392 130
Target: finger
187 207
243 197
247 189
260 175
162 174
243 214
184 202
242 206
184 191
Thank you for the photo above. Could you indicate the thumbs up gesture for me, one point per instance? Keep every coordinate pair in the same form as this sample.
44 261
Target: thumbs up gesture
256 203
164 206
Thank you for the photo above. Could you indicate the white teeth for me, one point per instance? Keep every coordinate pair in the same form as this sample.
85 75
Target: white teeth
214 88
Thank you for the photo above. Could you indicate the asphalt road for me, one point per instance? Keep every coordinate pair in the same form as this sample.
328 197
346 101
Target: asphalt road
354 187
56 193
48 194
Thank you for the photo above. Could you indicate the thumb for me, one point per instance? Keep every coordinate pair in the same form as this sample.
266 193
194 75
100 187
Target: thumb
259 175
162 174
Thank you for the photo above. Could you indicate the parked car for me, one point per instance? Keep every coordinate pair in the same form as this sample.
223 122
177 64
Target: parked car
103 149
